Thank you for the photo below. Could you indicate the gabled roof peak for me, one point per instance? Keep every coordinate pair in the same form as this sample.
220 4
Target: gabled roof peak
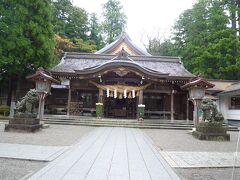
123 41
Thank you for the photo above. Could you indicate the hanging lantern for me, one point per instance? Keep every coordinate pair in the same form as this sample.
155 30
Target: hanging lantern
120 96
133 93
108 92
115 93
111 94
125 93
130 95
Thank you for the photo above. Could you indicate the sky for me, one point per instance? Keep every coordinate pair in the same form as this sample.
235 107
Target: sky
146 18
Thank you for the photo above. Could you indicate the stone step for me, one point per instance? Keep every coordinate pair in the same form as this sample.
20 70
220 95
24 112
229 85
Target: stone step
120 125
124 123
177 122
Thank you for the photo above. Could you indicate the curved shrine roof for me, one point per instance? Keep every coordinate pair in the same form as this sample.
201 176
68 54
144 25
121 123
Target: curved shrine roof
83 61
122 52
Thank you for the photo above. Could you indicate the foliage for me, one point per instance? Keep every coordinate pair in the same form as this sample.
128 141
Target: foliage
26 35
141 111
115 20
72 45
204 39
61 11
68 20
4 110
158 48
99 110
95 31
210 112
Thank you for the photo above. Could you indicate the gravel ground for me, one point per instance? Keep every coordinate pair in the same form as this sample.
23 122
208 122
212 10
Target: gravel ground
181 140
11 169
208 174
55 135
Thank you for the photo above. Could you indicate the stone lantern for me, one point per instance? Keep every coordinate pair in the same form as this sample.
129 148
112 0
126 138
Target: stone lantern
196 88
43 81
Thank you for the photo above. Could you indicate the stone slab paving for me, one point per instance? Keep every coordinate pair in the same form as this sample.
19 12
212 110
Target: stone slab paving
201 159
109 153
31 152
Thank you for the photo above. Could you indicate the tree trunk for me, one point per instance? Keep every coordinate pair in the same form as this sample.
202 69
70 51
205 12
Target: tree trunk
238 14
12 89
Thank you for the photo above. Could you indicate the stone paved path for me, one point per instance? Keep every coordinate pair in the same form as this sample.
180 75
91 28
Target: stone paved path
201 159
30 152
109 153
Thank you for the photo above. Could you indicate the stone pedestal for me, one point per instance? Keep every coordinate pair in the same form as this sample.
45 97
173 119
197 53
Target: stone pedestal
211 133
212 136
27 124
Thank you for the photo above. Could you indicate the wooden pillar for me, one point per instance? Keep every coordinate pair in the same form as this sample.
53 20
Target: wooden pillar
140 97
187 110
172 105
100 96
69 100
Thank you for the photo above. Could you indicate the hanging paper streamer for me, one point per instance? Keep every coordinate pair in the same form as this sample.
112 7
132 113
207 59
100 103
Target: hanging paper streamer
125 93
133 93
108 92
115 93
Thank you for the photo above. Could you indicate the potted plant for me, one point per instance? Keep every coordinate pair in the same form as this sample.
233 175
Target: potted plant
99 110
141 111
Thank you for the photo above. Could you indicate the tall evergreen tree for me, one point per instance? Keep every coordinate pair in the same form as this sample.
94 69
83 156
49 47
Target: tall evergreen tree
95 31
157 47
26 38
68 20
61 12
115 20
206 42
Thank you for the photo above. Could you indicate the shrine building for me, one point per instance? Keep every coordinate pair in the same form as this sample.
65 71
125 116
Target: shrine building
121 76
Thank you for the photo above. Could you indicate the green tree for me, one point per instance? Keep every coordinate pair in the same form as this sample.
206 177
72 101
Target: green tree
114 21
69 20
61 12
26 38
77 24
95 31
157 47
206 42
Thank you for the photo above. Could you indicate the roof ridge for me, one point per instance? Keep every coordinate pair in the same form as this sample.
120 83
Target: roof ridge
112 55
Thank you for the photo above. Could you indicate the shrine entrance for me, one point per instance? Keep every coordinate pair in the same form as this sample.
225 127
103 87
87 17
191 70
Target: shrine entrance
120 107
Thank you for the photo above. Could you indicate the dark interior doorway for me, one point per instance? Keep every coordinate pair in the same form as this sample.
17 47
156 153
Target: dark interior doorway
120 108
